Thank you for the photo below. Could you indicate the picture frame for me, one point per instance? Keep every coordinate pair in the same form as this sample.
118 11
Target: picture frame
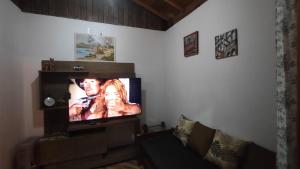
190 43
226 44
92 47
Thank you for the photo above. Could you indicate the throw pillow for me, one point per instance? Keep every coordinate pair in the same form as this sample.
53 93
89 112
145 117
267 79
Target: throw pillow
201 138
225 151
183 129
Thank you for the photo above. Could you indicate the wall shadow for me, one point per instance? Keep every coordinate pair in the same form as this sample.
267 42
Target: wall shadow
38 114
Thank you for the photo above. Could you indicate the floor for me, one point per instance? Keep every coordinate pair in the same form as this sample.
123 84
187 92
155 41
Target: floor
125 165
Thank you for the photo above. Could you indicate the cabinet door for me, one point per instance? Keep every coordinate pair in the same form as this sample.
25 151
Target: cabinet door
54 150
121 134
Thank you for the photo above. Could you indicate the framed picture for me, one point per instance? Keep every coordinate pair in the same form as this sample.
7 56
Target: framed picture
226 44
90 47
190 43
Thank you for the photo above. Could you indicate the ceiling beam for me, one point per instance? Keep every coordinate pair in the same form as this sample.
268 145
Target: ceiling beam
191 7
174 4
149 8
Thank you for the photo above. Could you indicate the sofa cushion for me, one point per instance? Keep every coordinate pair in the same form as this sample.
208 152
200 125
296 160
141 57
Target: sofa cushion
258 157
167 152
201 138
183 128
225 151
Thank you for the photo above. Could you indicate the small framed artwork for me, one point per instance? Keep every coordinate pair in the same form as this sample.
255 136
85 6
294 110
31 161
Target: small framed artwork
89 47
190 43
226 44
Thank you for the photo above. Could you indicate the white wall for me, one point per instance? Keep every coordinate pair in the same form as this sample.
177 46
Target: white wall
41 37
11 118
237 94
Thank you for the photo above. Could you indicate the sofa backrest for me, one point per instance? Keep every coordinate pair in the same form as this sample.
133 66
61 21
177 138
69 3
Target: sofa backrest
254 156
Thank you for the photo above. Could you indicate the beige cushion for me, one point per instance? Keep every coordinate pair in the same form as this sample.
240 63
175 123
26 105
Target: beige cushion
201 138
225 151
183 129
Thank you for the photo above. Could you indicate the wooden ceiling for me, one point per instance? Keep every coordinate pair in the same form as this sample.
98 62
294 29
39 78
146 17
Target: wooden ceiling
149 14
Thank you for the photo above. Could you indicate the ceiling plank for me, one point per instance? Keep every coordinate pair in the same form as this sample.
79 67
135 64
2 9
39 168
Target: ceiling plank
19 3
149 8
16 2
174 4
191 7
157 14
24 3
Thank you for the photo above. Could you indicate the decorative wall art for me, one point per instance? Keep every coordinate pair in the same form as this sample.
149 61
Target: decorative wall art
226 45
90 47
191 44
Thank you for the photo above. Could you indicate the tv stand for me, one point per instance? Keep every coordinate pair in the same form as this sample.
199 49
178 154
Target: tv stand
78 146
110 142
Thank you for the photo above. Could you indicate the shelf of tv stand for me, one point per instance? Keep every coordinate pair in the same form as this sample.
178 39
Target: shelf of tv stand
63 72
61 107
100 124
83 74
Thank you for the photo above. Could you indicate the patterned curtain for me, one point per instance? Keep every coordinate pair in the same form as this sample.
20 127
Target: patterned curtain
286 69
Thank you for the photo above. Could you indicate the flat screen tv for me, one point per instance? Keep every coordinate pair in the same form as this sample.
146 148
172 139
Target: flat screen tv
102 98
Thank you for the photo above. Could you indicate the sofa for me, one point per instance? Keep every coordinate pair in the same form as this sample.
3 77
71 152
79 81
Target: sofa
164 150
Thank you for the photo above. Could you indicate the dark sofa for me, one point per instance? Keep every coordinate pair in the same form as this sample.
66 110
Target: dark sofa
163 150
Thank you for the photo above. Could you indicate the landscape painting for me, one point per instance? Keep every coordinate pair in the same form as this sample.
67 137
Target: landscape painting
90 47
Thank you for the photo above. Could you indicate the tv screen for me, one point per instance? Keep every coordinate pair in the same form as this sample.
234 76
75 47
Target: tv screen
99 98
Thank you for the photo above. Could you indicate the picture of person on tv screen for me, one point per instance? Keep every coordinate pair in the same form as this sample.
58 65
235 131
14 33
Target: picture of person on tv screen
115 100
92 105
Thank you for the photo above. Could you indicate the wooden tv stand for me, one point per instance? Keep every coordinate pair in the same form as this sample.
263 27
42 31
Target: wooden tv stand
87 145
106 143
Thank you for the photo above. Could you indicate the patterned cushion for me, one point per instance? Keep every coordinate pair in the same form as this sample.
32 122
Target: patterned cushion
183 129
225 151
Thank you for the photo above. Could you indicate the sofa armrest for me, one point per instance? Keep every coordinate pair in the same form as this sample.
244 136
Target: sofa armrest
144 136
258 157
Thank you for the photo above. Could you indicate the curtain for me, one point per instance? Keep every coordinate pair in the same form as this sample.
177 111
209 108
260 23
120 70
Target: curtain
286 71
